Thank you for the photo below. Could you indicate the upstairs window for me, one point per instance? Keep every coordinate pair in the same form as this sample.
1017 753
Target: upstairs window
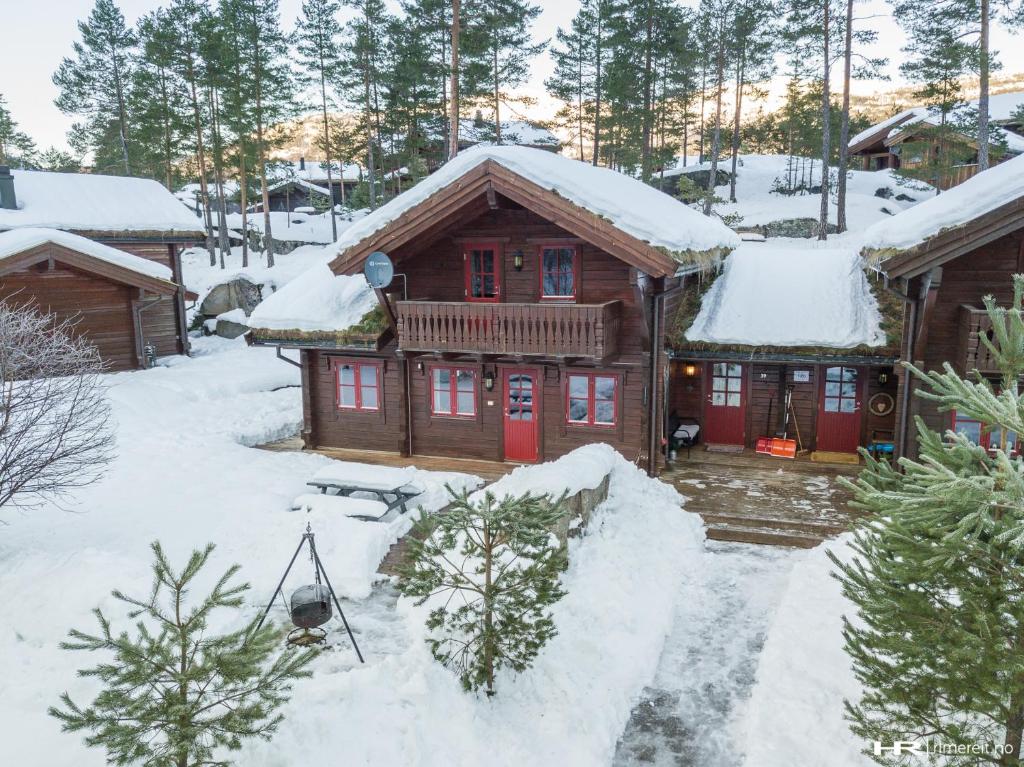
976 432
453 392
558 265
591 400
358 385
483 271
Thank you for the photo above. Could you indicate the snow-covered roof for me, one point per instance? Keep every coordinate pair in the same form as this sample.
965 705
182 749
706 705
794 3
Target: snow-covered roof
776 295
517 132
19 240
307 185
316 301
637 209
291 227
312 170
991 189
85 202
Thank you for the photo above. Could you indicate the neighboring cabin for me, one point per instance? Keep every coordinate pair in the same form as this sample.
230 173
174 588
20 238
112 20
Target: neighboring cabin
944 256
527 317
102 250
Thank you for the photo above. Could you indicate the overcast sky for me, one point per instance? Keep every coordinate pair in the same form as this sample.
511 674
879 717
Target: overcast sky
38 33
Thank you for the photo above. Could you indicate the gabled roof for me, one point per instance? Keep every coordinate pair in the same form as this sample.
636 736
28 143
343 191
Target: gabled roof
631 220
24 247
983 208
99 206
307 185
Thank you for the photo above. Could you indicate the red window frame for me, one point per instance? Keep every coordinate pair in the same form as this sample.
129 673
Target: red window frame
357 386
575 270
453 392
987 437
592 399
467 258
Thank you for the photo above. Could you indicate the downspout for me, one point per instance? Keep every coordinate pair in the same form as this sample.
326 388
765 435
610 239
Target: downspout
658 306
911 337
138 308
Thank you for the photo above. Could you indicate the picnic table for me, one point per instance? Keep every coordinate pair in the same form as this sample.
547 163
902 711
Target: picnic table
358 508
391 486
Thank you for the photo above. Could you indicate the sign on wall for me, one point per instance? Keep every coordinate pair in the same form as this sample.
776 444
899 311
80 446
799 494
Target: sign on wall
801 376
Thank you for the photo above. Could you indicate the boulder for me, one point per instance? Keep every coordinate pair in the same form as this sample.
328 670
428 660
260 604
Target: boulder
237 293
232 324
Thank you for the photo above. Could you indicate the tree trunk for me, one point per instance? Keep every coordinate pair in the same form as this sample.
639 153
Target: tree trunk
740 74
223 241
488 609
826 127
204 189
716 142
453 118
597 85
369 134
243 198
844 127
327 146
983 140
645 130
497 115
122 110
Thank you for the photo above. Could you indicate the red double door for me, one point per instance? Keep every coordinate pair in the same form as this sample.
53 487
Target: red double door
725 411
522 414
839 409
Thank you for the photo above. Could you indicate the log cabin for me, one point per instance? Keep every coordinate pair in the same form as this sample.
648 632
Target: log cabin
796 342
942 258
343 180
134 216
526 316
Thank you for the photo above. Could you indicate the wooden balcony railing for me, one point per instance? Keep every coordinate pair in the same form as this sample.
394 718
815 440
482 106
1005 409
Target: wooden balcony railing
974 355
567 330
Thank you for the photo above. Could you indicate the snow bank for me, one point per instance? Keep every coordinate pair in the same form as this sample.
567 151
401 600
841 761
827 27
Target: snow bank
314 229
778 296
568 709
316 300
19 240
582 469
87 202
795 712
997 186
632 206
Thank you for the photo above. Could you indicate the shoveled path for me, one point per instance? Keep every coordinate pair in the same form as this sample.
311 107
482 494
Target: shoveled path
686 717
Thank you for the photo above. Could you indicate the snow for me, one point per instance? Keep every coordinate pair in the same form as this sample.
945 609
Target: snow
997 186
795 713
293 226
300 182
348 473
632 206
235 315
582 469
86 202
314 170
316 300
339 504
19 240
790 294
184 476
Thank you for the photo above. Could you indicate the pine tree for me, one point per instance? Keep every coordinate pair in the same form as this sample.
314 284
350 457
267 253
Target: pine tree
937 575
496 50
489 571
15 144
94 85
175 693
719 17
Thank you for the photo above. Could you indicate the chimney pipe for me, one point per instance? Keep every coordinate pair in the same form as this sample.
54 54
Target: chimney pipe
302 163
8 199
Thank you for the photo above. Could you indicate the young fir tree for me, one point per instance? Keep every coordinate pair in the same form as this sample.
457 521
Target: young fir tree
15 144
174 693
491 571
938 575
94 85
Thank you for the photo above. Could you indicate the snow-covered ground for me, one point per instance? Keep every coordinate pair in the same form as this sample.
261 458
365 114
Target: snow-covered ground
186 476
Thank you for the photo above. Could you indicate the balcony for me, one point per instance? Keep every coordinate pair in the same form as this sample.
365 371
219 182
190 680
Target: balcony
548 330
973 354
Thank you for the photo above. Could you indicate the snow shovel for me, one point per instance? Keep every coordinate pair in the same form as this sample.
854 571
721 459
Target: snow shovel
785 448
764 444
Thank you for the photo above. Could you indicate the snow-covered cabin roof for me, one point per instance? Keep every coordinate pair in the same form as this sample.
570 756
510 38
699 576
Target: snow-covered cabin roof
779 296
638 210
312 170
18 241
307 185
999 185
317 301
514 132
89 203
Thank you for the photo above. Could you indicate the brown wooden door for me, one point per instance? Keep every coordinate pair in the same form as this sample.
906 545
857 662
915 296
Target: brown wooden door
839 409
725 411
522 414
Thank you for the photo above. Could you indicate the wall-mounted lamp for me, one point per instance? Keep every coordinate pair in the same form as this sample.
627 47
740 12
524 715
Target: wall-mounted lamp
883 378
689 370
517 259
763 376
489 380
419 367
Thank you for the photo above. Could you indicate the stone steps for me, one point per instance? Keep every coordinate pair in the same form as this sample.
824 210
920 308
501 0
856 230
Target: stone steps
811 526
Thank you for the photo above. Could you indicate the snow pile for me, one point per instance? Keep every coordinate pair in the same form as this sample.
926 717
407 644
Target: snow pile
314 229
634 207
85 202
997 186
787 296
795 713
582 469
316 300
19 240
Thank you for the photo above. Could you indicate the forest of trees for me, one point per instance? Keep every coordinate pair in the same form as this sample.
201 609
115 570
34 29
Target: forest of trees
207 90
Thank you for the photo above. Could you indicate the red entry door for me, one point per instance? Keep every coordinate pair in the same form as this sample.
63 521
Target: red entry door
522 415
725 411
839 412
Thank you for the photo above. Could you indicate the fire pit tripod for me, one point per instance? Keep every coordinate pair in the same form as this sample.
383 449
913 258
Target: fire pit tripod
310 605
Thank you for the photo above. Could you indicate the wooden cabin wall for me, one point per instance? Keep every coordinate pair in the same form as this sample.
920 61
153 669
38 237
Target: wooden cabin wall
882 427
765 393
101 308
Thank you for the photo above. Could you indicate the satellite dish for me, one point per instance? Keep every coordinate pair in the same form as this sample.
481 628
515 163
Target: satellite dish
379 270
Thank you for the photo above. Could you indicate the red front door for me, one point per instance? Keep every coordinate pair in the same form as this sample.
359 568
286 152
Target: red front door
522 415
725 411
839 414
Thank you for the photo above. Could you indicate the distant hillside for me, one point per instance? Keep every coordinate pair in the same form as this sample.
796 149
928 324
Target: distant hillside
884 103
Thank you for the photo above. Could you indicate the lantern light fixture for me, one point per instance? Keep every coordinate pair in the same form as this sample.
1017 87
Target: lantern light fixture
689 370
517 259
489 380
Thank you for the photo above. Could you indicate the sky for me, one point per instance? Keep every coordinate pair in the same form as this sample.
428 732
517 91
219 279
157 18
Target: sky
37 34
